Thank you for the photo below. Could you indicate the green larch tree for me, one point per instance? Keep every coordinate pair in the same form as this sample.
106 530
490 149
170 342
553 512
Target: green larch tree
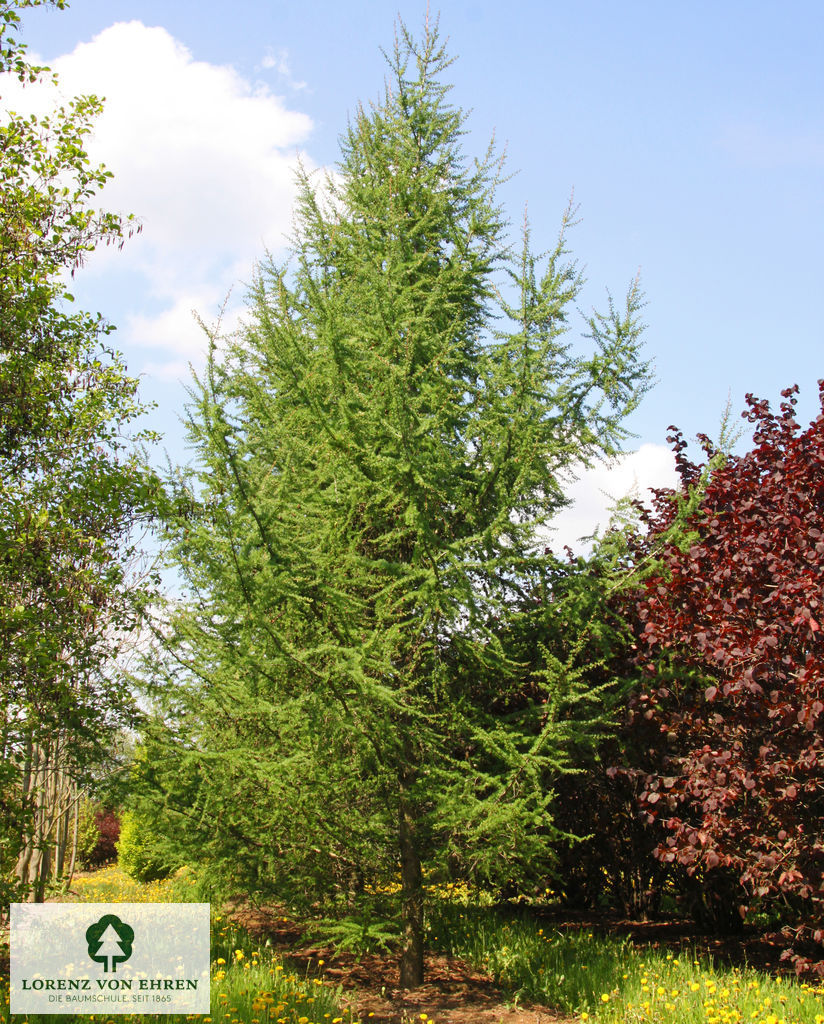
377 451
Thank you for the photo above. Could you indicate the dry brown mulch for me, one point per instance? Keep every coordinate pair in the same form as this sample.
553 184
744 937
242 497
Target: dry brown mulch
454 992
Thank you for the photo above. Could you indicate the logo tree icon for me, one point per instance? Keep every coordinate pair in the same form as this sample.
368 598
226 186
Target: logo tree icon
110 942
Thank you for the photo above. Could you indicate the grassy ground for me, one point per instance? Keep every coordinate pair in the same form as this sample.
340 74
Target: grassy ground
599 979
606 980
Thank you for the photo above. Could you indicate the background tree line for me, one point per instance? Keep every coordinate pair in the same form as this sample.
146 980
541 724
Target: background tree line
74 488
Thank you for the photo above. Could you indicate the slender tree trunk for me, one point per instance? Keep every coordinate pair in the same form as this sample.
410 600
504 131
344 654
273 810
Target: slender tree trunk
61 812
26 845
42 879
411 966
75 830
43 837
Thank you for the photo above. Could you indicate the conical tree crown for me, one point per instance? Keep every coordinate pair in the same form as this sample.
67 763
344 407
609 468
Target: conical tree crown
378 447
382 330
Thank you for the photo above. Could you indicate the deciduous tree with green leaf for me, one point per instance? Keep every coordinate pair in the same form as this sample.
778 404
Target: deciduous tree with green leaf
72 484
377 452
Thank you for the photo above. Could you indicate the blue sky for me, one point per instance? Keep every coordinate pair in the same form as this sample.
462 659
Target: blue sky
692 135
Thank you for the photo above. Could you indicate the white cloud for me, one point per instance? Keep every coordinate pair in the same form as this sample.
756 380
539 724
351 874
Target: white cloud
181 329
175 329
280 62
205 158
171 371
597 490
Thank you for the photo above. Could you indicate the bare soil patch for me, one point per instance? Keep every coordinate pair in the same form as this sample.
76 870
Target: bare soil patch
454 993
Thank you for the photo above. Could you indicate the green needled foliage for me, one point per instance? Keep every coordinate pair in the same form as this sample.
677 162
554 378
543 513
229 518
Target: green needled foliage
377 451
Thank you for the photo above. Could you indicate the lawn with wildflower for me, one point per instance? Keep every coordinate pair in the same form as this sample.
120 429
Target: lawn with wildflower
602 978
485 967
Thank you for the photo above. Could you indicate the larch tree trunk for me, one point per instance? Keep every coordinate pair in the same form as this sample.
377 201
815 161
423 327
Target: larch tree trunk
411 965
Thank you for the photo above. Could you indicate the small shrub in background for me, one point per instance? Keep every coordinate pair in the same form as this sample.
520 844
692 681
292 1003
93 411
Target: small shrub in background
87 834
141 851
98 829
108 829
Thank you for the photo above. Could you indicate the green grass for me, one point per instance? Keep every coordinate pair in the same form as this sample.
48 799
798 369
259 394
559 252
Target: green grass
605 980
112 885
568 970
